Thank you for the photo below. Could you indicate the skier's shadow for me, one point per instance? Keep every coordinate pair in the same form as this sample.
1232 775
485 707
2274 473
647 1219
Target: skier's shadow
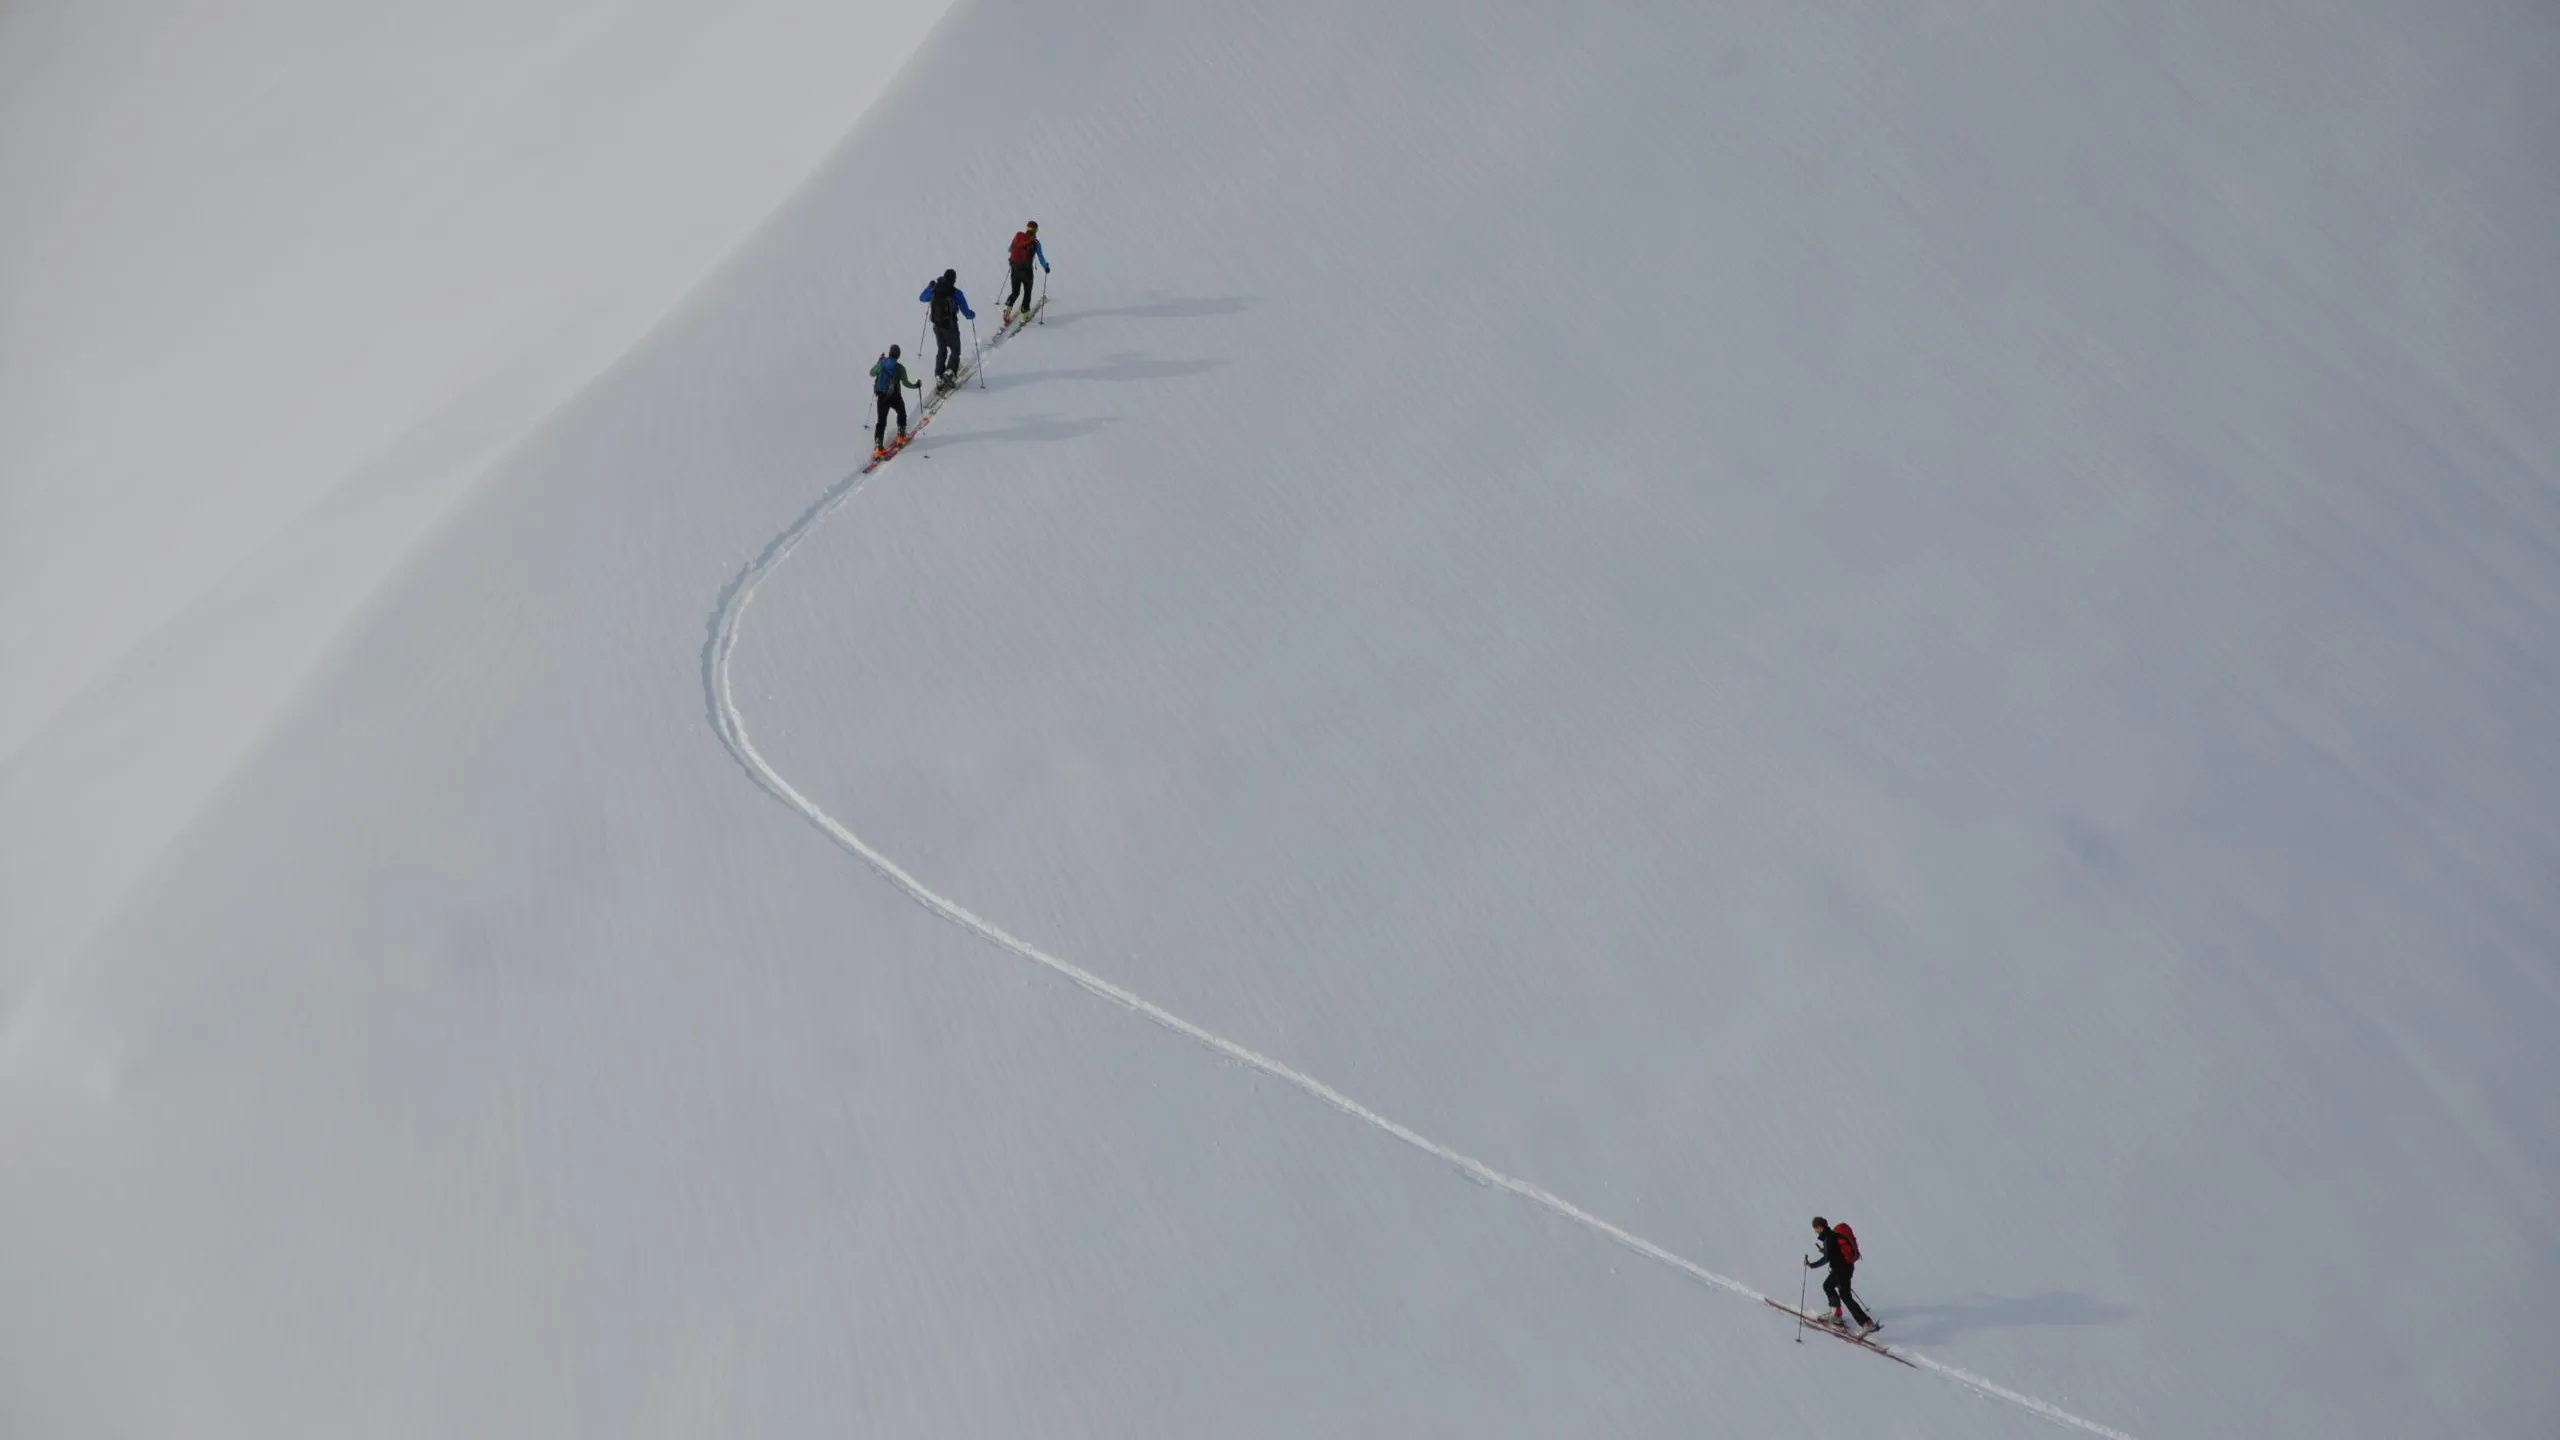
1032 428
1124 366
1929 1324
1161 307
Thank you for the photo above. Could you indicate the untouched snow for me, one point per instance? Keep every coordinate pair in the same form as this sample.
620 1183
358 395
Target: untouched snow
281 279
1725 612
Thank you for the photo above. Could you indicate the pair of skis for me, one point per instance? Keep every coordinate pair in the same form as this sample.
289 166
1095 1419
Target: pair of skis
1021 320
968 371
941 392
1837 1331
889 452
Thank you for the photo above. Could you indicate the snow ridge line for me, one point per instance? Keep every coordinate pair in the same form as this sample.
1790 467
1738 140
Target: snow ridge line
731 726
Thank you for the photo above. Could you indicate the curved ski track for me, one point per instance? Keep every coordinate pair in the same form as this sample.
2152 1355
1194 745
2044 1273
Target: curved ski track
731 726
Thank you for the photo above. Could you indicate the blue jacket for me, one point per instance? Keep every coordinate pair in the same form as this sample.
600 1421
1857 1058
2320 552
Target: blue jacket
926 295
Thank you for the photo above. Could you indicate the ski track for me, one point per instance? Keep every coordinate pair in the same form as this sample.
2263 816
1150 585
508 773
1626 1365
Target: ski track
731 725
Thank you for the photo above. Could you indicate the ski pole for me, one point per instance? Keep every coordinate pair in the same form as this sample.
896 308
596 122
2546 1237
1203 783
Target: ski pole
1804 1273
982 352
1040 311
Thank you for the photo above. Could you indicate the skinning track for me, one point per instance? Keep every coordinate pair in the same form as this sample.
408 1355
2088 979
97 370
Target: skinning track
731 725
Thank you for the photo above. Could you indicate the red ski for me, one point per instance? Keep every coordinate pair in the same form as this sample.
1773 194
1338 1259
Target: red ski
883 457
1817 1322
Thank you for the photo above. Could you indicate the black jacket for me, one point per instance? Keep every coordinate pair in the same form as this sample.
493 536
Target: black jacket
944 300
1831 1253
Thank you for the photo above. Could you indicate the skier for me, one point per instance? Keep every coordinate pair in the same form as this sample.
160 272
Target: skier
1840 1254
887 374
948 306
1025 249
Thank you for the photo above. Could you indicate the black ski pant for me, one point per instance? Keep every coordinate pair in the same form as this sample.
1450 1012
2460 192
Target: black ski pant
1835 1288
946 350
894 400
1021 287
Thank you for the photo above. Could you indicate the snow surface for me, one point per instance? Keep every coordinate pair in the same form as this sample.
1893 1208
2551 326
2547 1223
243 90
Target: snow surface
1948 616
280 279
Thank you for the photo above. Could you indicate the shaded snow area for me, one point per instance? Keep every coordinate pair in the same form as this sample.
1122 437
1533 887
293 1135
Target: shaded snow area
1588 631
279 279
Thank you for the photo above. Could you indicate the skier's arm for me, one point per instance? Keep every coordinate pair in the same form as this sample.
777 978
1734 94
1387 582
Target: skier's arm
964 304
909 383
1041 254
926 294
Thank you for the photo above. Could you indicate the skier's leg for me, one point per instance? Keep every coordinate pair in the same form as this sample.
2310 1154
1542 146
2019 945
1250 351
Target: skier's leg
880 421
1831 1288
899 401
1857 1312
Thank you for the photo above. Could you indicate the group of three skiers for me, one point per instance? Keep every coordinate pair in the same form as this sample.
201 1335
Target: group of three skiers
947 306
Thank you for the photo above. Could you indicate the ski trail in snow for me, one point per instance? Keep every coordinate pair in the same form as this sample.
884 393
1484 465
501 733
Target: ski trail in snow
732 727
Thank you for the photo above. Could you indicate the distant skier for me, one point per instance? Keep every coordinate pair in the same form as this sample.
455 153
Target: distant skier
888 373
1026 249
948 306
1840 1254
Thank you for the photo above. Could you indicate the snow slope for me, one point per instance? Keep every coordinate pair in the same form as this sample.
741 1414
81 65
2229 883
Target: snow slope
1944 617
281 279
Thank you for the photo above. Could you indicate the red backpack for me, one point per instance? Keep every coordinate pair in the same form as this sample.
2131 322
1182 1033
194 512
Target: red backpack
1848 1242
1022 243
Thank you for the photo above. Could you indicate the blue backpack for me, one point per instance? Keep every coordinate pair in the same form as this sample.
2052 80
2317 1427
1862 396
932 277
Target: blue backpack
884 376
